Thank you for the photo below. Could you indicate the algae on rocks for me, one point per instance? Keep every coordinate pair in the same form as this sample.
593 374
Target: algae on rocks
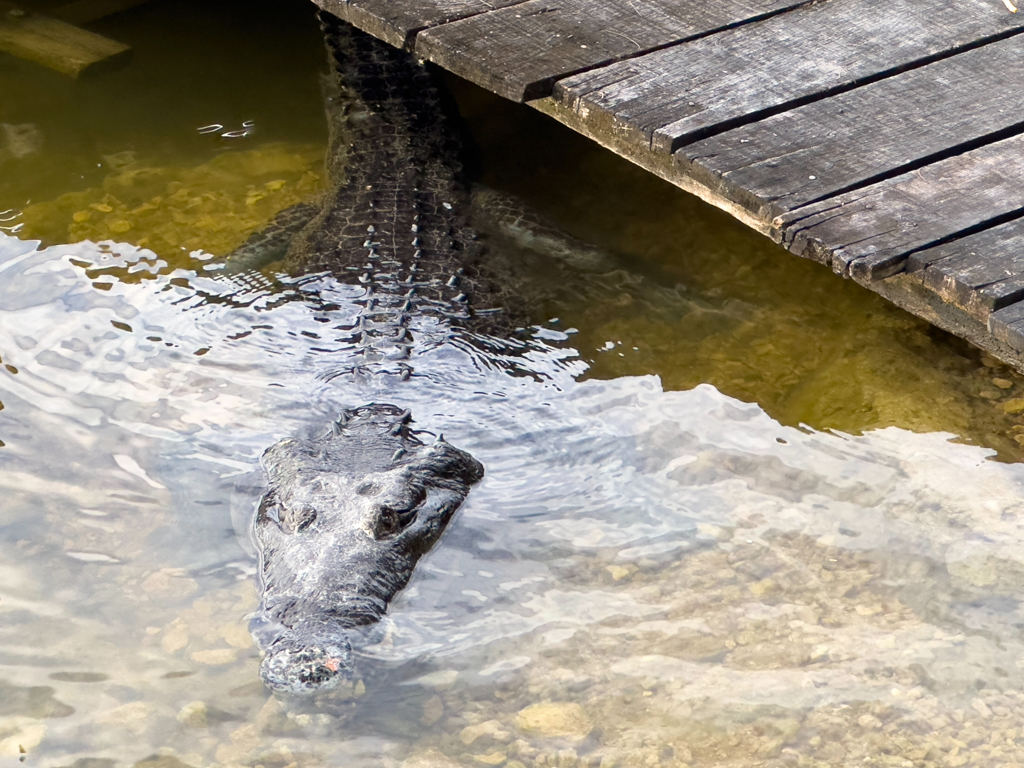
173 210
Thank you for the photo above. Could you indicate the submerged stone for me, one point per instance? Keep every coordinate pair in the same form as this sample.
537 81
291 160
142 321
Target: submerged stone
433 710
430 759
36 702
489 730
193 714
554 719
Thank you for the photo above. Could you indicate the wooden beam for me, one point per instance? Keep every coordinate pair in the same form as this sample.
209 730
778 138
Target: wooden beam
57 44
981 273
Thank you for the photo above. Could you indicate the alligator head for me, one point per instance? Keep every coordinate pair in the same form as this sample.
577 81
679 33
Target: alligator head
339 531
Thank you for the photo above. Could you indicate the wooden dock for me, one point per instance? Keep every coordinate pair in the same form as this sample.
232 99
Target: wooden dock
884 138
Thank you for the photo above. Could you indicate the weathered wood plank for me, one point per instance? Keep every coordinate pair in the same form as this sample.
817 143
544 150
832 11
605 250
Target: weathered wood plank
85 11
1007 325
981 273
398 21
868 233
849 140
519 52
57 44
683 93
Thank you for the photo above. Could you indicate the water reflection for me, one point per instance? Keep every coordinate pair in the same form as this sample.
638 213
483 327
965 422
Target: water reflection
644 577
9 221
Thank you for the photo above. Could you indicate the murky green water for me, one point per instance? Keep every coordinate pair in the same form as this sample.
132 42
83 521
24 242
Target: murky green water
670 563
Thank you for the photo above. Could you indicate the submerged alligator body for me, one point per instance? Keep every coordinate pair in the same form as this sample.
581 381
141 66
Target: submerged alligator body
348 515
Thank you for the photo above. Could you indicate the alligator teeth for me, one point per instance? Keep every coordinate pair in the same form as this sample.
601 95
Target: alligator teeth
452 281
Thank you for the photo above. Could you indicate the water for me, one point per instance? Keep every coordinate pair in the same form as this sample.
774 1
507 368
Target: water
740 513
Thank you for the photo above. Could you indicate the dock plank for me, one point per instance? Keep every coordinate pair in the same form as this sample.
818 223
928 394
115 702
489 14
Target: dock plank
680 94
57 44
398 21
850 140
868 233
518 52
1007 325
981 273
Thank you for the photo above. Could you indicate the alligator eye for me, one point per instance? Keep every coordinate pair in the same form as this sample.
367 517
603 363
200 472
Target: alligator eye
304 518
391 519
388 522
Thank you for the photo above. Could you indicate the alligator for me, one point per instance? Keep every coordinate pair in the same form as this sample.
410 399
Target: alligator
347 515
339 532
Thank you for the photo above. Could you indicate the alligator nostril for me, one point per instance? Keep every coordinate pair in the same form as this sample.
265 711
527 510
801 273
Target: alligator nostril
367 489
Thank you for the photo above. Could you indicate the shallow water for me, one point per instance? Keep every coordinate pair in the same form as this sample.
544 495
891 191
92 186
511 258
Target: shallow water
671 561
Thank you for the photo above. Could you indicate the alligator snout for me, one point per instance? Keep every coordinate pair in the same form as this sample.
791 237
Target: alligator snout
298 664
340 529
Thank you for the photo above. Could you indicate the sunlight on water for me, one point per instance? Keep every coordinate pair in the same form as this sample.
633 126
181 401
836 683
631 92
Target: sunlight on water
662 567
643 578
